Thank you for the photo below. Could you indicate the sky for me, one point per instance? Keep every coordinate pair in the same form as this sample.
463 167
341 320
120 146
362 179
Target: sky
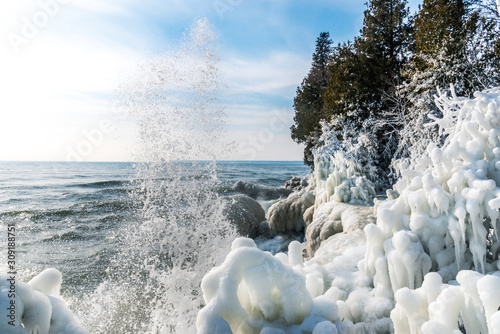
62 63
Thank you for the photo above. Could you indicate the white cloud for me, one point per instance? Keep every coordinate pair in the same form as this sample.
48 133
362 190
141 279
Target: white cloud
271 74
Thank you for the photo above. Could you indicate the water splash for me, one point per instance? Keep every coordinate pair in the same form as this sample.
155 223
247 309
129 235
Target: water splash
153 283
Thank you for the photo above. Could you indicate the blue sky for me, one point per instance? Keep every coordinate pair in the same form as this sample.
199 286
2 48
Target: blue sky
63 61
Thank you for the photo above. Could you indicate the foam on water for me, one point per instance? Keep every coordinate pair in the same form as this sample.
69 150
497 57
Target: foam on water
153 285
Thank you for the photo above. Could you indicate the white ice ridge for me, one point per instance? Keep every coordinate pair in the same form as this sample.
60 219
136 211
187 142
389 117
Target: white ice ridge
438 308
447 205
36 307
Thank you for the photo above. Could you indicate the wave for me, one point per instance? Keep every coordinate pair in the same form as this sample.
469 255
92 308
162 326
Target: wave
101 184
65 237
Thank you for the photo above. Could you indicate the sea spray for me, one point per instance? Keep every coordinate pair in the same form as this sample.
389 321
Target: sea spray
153 285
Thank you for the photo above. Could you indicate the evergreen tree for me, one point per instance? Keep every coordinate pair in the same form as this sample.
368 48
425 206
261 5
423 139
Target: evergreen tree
382 51
308 102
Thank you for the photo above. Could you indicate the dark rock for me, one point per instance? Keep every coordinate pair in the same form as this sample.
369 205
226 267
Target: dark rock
296 183
245 213
259 191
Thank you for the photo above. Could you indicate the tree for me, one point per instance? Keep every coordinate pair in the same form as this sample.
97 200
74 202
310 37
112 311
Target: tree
308 103
457 43
382 51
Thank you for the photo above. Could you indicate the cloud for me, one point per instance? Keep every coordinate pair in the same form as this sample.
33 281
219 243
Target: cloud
272 74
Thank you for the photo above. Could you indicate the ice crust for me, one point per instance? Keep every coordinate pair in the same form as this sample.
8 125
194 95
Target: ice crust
387 277
39 308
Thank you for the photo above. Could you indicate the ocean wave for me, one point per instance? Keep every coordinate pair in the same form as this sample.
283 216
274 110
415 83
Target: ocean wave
65 237
101 184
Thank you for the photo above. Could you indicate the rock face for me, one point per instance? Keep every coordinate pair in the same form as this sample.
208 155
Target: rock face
287 215
296 183
245 213
332 218
259 191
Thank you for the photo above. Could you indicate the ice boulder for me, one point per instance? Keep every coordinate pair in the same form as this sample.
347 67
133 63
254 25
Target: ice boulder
36 306
256 292
287 214
244 212
333 217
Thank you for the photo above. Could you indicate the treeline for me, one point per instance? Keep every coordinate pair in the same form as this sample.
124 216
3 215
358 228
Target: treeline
382 85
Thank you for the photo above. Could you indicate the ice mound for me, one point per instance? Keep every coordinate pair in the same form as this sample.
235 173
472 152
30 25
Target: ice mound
448 202
438 308
36 306
256 292
332 218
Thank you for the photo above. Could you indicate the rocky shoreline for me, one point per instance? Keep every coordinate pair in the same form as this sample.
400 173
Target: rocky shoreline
275 216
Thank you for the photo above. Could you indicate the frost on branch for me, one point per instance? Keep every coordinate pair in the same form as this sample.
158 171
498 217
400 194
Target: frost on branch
344 171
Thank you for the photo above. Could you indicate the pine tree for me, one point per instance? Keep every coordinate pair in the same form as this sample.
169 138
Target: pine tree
308 103
382 49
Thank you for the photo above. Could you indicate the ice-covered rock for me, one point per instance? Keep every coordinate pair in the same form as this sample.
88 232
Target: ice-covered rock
333 217
287 214
245 213
259 191
36 306
448 202
256 292
296 183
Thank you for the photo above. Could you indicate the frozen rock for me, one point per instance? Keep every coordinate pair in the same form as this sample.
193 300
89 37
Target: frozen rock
296 183
245 213
259 191
332 218
287 215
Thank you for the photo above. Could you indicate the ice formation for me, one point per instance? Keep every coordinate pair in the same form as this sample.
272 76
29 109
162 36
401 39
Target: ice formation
338 178
448 202
331 218
439 224
256 292
287 214
38 306
438 308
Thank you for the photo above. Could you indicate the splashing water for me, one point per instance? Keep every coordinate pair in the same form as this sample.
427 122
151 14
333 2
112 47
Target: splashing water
153 285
